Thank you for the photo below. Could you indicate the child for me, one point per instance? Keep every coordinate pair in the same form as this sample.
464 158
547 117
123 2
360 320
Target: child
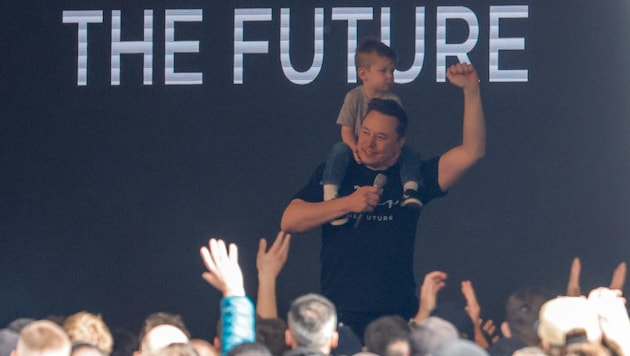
375 63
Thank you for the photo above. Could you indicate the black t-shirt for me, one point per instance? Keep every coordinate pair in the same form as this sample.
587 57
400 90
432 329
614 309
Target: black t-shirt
370 268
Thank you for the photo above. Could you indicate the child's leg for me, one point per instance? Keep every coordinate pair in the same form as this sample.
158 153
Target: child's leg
411 176
335 169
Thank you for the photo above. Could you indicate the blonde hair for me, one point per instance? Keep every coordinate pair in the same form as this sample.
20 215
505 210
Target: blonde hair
43 337
84 327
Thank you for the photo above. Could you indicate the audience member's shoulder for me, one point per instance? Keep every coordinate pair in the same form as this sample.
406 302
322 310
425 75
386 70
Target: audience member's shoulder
8 341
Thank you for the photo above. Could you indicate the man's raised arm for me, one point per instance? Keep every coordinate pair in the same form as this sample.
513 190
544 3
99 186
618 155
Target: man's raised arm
456 162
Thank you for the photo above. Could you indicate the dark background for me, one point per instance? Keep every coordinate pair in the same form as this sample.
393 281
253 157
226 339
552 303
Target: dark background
107 192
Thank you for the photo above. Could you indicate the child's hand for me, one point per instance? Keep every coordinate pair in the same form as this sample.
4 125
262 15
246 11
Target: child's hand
356 156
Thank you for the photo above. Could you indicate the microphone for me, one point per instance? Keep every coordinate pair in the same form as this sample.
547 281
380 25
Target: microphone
379 182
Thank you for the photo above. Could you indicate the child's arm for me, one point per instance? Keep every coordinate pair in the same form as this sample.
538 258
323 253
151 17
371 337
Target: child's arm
347 136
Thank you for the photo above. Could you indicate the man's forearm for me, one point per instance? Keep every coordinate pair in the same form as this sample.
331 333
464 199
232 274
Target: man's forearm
302 216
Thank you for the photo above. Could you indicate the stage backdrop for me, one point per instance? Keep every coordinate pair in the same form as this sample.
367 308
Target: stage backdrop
131 132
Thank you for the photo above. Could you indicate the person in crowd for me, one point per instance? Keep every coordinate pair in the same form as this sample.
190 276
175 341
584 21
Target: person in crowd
466 318
459 347
8 341
176 349
388 336
312 321
269 263
160 330
88 329
519 328
125 342
250 349
85 349
428 334
237 310
270 332
42 338
203 347
354 256
567 321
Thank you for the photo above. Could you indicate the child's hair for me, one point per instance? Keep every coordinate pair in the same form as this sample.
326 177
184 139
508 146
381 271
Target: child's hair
371 46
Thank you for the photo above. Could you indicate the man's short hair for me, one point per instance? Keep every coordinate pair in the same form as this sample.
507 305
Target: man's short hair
270 332
43 338
176 349
390 108
250 349
312 320
161 318
84 348
429 334
370 47
521 313
382 332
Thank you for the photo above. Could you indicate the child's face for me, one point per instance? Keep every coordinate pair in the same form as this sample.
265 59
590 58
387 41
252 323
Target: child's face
379 76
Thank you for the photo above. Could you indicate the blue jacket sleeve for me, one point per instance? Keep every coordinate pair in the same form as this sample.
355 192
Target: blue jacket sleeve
239 322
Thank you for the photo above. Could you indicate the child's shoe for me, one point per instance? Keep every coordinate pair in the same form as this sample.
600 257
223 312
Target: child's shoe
411 199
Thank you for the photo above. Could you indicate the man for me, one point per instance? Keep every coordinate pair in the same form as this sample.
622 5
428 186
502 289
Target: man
160 330
521 314
312 321
388 336
367 264
42 338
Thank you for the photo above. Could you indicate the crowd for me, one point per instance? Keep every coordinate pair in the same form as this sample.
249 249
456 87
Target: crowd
535 322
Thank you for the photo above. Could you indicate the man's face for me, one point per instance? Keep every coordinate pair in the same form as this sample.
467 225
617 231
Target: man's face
379 144
379 76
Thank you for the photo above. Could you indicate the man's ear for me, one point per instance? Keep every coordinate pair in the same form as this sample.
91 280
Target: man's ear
288 338
334 340
402 141
505 329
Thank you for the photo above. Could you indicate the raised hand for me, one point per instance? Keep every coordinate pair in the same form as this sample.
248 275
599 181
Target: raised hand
619 277
573 287
223 273
474 312
269 264
472 306
463 75
490 330
432 284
